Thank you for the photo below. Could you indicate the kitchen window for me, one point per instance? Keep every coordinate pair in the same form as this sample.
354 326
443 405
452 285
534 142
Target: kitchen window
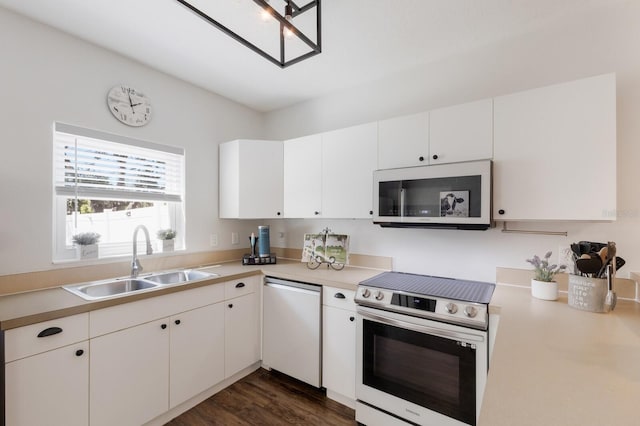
109 184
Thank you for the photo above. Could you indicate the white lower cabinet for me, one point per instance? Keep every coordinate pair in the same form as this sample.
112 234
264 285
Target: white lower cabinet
242 333
49 388
129 375
339 345
196 352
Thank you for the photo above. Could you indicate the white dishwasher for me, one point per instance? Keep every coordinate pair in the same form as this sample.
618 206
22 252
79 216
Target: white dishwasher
291 329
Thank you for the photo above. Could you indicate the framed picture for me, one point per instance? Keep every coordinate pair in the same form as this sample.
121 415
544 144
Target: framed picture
328 247
454 203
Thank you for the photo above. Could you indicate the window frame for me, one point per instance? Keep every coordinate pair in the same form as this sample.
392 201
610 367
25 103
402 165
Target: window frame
62 252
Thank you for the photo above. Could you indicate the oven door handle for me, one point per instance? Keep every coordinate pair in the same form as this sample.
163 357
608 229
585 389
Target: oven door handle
423 328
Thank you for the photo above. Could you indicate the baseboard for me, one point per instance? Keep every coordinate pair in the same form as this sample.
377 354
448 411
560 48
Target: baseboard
344 400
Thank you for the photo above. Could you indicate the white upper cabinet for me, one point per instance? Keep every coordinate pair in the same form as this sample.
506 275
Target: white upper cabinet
349 157
403 141
251 179
445 135
555 152
461 132
303 177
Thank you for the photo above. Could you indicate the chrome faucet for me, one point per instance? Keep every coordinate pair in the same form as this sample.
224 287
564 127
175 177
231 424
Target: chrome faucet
135 263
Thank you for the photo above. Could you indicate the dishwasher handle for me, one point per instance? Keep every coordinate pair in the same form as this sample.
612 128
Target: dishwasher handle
292 285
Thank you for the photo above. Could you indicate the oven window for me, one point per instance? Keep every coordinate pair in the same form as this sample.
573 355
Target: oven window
433 372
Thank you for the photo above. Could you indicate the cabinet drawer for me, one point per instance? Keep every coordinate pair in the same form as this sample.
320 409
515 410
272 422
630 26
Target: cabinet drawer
339 298
240 287
127 315
45 336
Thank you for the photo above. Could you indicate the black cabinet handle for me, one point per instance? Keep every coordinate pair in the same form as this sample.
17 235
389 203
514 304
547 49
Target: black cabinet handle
239 285
352 319
230 305
421 158
435 156
316 213
50 331
370 211
163 326
79 352
339 296
501 211
278 213
177 322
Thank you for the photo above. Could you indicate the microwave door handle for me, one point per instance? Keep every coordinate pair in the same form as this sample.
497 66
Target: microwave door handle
455 335
402 193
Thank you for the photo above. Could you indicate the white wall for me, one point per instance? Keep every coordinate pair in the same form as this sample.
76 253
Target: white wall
48 76
604 40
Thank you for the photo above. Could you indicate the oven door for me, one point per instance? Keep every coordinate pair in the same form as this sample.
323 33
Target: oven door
420 370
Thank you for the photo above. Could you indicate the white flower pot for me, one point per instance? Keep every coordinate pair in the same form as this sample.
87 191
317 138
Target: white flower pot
167 245
88 251
544 290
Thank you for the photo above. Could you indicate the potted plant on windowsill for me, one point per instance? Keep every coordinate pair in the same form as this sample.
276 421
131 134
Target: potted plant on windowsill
167 237
542 285
87 244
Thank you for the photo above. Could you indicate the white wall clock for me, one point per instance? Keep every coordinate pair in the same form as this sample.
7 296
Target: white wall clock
129 105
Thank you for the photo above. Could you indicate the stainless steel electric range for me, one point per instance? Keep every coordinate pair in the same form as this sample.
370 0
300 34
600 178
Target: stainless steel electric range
422 349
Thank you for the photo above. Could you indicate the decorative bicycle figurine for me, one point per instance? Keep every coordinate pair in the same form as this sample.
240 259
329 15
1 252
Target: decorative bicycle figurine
318 242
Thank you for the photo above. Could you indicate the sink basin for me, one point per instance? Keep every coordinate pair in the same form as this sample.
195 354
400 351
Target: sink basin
102 289
121 287
177 277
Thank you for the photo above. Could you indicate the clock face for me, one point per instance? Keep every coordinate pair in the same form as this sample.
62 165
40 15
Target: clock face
129 106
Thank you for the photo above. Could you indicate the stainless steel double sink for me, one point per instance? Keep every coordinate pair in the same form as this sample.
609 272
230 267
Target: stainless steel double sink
97 290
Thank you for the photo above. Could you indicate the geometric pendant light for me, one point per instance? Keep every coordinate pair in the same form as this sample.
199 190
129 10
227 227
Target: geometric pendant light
289 44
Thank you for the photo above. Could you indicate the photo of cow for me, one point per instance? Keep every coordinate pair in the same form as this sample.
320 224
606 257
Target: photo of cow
454 203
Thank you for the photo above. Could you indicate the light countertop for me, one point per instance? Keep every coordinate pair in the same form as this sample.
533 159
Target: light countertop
556 365
31 307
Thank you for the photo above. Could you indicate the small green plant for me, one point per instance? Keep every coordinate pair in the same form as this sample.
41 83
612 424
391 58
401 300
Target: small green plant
544 271
166 234
86 238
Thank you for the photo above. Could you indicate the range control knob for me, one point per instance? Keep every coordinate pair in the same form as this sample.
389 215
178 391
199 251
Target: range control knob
470 311
451 308
366 293
379 295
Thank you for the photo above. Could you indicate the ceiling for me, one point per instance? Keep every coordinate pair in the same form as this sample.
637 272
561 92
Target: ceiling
362 40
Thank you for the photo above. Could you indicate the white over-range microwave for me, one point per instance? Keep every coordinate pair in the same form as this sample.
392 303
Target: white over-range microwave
455 196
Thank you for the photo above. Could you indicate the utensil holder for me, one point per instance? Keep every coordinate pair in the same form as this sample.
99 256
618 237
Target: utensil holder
587 294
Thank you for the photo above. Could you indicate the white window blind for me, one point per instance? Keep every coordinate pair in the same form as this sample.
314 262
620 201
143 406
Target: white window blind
97 165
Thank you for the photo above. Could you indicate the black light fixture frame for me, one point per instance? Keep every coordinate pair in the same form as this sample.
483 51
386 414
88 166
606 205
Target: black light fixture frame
316 47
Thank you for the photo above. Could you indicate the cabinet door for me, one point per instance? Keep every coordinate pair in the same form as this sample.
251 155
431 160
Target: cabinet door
196 352
339 351
303 177
251 179
461 132
555 152
129 372
403 141
242 333
349 158
50 388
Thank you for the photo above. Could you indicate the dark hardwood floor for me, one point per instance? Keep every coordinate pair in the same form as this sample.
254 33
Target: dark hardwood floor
267 398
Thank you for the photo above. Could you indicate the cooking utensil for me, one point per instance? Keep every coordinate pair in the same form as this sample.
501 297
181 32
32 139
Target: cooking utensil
611 298
603 254
589 266
611 254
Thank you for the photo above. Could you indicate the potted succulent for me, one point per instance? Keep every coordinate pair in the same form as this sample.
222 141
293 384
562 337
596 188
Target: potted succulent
542 285
87 244
167 236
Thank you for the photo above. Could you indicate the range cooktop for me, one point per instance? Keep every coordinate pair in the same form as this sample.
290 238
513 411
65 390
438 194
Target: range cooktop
451 300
